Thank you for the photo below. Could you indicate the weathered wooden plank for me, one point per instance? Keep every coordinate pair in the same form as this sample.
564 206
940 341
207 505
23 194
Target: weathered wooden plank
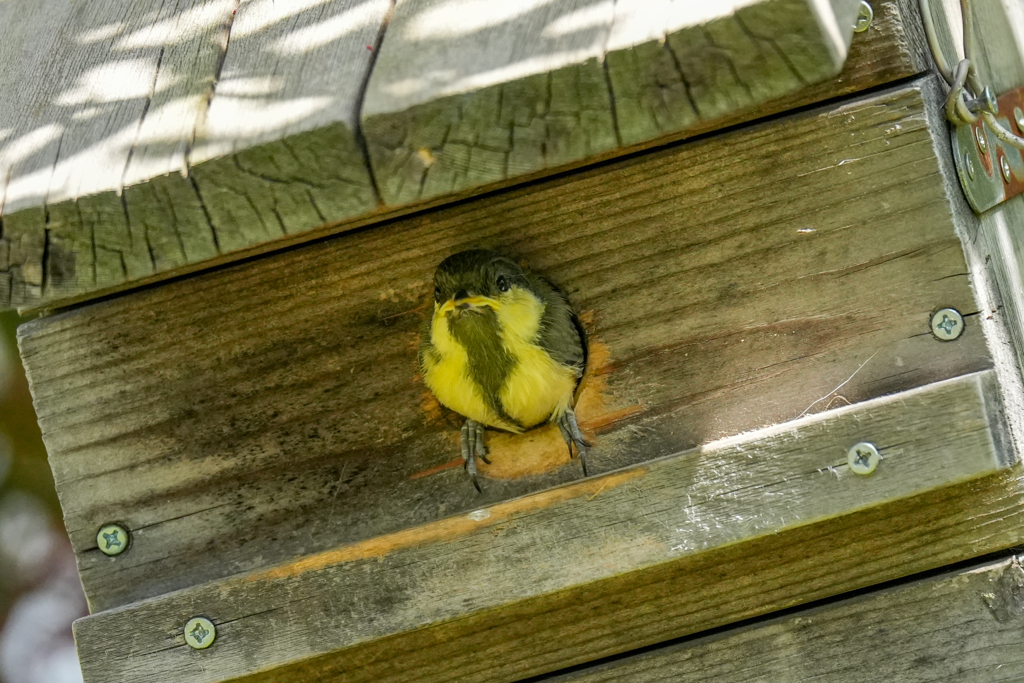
277 152
963 625
708 62
465 94
135 97
88 75
996 241
268 197
606 536
272 409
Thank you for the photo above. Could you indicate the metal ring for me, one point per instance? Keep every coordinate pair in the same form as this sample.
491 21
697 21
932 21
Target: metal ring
956 103
957 109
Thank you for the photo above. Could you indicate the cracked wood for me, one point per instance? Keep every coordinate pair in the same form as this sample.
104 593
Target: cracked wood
101 95
252 414
255 102
274 161
463 97
605 552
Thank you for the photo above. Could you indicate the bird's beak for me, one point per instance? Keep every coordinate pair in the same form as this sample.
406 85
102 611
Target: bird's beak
468 303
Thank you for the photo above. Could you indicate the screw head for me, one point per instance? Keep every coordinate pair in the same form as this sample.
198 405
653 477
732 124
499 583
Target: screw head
990 103
1005 166
864 17
969 166
112 539
986 101
200 633
947 324
863 458
979 135
1018 117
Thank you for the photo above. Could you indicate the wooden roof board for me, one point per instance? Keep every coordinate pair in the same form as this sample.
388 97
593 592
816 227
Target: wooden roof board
122 109
258 105
467 93
88 74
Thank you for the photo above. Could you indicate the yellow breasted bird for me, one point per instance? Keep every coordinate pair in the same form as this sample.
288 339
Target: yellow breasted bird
504 350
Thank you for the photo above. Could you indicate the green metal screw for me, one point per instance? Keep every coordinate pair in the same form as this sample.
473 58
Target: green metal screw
200 633
112 539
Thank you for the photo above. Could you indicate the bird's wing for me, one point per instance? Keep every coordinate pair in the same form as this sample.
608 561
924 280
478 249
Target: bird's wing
582 334
561 334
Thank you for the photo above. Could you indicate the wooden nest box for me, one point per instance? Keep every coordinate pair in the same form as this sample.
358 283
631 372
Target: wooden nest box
805 347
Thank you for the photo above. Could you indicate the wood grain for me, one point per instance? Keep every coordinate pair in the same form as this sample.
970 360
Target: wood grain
265 197
618 530
273 409
105 89
963 625
89 74
277 152
256 101
717 60
464 96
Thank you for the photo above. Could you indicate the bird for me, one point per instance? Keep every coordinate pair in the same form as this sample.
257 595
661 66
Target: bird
504 349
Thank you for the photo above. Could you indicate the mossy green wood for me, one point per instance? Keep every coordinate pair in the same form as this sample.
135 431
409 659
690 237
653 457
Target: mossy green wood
163 139
455 102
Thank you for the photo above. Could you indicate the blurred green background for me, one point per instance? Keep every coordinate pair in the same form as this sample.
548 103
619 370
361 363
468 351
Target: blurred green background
40 594
28 469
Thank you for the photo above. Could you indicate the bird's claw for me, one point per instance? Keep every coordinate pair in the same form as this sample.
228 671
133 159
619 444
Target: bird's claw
473 447
574 437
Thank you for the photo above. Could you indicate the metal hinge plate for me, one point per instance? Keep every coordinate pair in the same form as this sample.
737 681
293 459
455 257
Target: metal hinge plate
990 170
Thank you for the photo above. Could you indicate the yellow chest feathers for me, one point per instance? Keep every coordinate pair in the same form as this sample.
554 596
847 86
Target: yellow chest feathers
535 389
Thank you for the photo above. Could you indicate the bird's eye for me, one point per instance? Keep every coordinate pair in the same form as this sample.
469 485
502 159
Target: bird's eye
502 284
437 294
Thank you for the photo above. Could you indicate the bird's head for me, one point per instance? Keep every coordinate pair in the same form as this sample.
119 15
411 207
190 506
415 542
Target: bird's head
471 282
